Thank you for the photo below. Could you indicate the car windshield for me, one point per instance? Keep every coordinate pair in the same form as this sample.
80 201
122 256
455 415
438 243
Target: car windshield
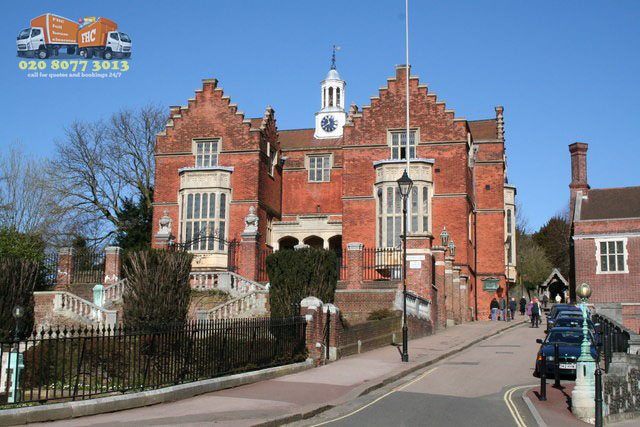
567 337
565 310
570 322
24 34
124 37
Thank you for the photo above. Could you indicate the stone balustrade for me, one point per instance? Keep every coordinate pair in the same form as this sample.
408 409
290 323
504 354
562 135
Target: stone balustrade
83 309
226 281
252 304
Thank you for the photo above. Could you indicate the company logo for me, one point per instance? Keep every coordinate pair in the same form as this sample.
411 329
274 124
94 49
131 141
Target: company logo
89 37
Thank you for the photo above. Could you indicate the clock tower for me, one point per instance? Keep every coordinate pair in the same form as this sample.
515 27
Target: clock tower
332 117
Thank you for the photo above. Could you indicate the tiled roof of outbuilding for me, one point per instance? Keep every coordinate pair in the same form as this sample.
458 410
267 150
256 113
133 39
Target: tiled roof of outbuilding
610 203
303 138
483 129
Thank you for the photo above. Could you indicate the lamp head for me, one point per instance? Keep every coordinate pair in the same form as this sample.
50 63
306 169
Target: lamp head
452 248
18 311
405 183
583 291
444 237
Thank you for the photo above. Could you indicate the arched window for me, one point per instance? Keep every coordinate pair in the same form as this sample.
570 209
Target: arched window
338 97
509 221
330 97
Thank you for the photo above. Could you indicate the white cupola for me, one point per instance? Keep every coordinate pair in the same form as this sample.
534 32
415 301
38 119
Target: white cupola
332 117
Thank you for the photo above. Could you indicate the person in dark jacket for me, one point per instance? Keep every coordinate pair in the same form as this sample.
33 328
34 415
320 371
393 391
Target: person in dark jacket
503 309
545 300
494 308
535 313
513 305
523 305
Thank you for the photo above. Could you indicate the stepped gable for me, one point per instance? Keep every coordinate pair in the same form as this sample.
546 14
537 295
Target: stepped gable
211 113
387 110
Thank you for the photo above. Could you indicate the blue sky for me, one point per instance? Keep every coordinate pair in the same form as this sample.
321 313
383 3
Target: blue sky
564 71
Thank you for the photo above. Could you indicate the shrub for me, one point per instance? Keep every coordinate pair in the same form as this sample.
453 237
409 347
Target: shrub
18 278
295 275
158 291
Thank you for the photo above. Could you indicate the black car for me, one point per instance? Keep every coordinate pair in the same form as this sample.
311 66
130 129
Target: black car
558 311
569 341
574 320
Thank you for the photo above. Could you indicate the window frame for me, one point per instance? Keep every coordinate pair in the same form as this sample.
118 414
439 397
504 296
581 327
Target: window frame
624 254
326 177
212 154
219 246
422 216
416 141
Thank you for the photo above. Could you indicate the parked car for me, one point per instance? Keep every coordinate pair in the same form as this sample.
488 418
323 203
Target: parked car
559 309
569 341
574 320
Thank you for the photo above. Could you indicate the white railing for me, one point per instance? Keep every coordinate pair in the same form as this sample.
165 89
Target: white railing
250 305
113 292
83 310
226 281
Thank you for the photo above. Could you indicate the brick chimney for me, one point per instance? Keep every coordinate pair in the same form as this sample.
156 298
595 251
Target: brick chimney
578 152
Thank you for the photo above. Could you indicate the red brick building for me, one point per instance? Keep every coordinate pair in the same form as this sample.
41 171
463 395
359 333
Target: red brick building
606 242
335 183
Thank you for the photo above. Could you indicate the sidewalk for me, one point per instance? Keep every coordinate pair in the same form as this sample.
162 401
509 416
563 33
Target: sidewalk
293 397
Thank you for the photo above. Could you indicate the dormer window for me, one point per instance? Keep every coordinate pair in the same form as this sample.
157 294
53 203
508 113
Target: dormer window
206 153
398 143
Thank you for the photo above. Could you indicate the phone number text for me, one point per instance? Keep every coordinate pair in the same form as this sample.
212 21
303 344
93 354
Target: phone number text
74 65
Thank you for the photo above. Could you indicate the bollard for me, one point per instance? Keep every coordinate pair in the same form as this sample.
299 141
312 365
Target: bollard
556 365
598 376
543 377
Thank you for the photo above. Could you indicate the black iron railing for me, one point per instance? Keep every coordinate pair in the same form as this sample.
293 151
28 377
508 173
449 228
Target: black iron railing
614 338
341 265
263 253
381 264
88 266
48 271
80 364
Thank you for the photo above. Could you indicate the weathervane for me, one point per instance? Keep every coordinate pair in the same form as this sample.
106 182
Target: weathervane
333 57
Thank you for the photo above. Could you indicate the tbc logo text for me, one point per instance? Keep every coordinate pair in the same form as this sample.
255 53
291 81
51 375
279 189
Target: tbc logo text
89 37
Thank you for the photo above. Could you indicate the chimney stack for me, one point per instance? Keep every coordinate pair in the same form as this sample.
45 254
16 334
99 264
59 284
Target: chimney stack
578 152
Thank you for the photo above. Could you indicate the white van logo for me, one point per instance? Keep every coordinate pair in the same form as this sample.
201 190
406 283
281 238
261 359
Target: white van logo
89 37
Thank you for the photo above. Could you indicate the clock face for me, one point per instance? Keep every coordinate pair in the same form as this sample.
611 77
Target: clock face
329 123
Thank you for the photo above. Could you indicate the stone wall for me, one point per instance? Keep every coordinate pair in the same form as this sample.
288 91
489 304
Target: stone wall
620 388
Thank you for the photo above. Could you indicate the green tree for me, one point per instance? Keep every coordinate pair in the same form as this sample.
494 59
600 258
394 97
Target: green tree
554 238
533 264
21 245
295 275
18 278
135 229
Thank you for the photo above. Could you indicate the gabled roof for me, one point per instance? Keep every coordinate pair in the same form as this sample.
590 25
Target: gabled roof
611 203
303 138
483 129
554 273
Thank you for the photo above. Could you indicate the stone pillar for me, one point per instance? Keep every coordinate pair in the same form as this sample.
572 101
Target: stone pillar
164 236
457 297
248 256
419 264
448 284
464 292
438 256
112 264
311 309
65 269
354 265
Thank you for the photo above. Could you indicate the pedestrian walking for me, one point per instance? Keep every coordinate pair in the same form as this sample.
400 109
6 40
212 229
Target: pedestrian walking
545 300
494 308
535 313
523 305
512 307
503 309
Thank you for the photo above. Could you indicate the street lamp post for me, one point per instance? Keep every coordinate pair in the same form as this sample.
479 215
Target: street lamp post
404 184
506 282
583 394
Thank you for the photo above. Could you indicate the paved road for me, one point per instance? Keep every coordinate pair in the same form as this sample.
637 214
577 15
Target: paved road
467 389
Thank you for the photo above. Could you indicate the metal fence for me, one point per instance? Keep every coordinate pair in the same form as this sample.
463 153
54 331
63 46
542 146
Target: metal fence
341 265
84 363
263 253
48 271
381 264
88 266
614 338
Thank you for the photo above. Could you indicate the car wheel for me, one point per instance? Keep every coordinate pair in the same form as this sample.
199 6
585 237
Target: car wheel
108 55
43 54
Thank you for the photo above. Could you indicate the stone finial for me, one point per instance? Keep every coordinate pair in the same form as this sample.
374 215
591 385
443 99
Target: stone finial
165 224
251 221
500 123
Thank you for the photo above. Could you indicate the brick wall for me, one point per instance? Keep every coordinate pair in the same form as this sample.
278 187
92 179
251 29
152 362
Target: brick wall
369 335
356 305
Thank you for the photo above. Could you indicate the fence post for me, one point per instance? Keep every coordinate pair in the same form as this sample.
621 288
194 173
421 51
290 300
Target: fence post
543 377
65 269
112 263
598 375
248 255
354 265
311 309
556 365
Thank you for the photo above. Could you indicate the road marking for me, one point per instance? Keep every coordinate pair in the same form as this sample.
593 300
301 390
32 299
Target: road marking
512 407
402 387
